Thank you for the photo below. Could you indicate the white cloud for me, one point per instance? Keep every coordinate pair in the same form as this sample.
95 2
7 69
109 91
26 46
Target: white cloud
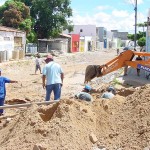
103 7
117 20
120 13
133 1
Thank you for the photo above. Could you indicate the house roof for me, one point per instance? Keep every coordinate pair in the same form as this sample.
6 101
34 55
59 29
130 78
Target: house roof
65 35
52 40
8 29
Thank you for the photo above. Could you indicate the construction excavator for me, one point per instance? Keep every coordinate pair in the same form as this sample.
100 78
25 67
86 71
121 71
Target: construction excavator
124 59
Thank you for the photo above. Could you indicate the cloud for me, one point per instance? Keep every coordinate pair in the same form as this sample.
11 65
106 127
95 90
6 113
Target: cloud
116 20
133 1
101 8
120 13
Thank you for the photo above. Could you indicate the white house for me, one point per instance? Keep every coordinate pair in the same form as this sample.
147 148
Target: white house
11 40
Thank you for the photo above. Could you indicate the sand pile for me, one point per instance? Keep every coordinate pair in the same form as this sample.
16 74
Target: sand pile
123 122
65 125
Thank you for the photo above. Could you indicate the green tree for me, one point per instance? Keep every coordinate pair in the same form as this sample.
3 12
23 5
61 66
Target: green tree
139 35
131 37
13 13
143 25
51 17
31 37
26 2
142 41
16 14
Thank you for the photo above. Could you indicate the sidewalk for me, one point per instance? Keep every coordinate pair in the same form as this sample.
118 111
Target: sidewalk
132 79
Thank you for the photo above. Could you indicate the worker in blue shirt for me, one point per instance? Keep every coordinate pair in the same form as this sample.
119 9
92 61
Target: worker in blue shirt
110 93
52 78
3 80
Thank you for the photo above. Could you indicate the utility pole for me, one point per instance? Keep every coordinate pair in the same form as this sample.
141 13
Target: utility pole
135 35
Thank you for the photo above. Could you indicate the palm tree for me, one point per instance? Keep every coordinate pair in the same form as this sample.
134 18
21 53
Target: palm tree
142 25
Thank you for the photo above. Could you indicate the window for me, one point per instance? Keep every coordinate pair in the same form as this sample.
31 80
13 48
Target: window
6 38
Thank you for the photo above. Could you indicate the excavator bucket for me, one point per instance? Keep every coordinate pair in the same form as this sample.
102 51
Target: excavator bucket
91 72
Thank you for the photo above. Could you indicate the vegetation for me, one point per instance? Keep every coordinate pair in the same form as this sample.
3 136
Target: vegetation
13 14
141 38
39 18
142 41
51 17
16 15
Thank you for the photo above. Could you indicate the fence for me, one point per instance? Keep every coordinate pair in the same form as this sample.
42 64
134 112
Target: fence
31 48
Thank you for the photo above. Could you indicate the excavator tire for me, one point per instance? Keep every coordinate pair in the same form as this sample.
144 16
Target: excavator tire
91 72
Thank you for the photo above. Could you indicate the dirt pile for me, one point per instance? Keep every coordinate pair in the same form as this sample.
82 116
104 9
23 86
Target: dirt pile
122 122
61 126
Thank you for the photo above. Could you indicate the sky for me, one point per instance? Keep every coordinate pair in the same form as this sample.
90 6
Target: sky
111 14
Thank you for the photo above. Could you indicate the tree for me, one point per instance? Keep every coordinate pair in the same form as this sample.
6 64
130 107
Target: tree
142 25
142 41
131 37
51 17
139 35
12 14
26 2
17 15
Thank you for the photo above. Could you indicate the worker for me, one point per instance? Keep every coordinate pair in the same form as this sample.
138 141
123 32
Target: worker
117 51
87 88
110 93
3 80
125 70
37 63
84 94
53 76
139 58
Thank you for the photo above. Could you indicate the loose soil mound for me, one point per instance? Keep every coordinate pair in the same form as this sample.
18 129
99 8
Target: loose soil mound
122 122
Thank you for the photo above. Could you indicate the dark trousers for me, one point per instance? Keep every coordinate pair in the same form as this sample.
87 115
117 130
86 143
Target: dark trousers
56 88
2 104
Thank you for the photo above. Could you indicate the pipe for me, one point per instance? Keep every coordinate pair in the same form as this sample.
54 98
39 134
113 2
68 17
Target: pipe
28 104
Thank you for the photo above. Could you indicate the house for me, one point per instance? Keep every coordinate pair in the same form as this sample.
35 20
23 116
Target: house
60 44
101 33
87 34
120 38
75 42
12 43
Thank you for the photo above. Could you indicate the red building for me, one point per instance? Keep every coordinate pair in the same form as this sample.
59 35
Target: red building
75 42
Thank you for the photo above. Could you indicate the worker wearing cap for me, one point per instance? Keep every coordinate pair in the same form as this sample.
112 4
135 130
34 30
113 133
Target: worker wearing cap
110 93
87 88
3 81
52 78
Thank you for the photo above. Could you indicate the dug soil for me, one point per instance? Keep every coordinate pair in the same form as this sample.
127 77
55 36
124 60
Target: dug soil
122 123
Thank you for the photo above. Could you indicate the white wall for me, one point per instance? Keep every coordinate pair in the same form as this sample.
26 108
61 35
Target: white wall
59 45
87 39
7 41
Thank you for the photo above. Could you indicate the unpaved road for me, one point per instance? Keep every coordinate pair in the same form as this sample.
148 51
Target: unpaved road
30 85
121 123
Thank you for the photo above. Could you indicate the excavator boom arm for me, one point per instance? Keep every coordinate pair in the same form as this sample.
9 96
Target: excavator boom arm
124 59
